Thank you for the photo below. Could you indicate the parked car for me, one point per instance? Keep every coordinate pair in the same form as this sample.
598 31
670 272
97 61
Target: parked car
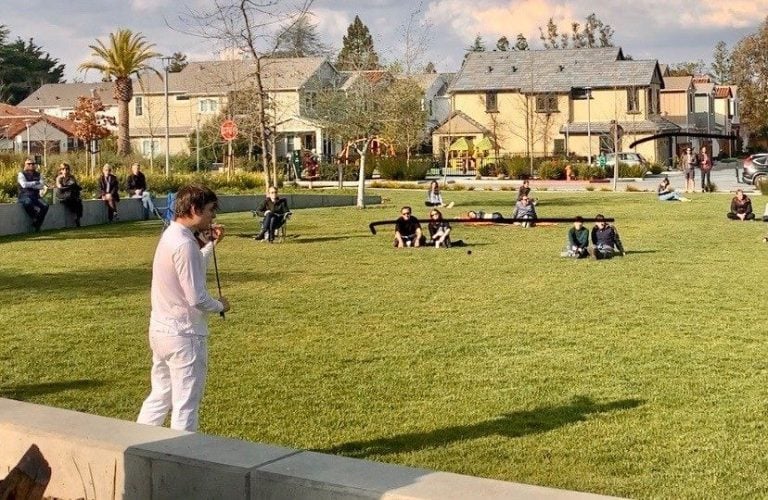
627 158
755 169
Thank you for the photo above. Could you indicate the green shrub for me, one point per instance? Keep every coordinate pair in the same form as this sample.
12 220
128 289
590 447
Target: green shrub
634 171
763 186
551 169
396 168
656 168
518 167
585 171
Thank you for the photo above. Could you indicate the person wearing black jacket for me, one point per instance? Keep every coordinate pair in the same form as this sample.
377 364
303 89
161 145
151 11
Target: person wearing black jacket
109 191
578 240
137 188
275 212
741 207
68 192
605 239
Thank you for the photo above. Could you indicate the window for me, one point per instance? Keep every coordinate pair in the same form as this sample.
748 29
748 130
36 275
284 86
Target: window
431 109
546 103
691 103
208 106
652 101
310 100
559 146
149 147
289 144
491 102
633 98
139 106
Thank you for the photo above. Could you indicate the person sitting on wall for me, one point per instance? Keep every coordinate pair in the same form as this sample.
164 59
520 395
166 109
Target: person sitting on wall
68 192
408 230
137 188
109 191
275 212
31 185
741 207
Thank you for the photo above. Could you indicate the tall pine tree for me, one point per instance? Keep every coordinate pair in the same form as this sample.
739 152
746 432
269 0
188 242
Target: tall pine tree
357 52
24 68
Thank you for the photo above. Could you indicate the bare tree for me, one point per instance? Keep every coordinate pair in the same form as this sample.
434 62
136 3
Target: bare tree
251 26
352 115
403 116
415 36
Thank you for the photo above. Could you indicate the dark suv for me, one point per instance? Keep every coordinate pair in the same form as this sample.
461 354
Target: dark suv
755 169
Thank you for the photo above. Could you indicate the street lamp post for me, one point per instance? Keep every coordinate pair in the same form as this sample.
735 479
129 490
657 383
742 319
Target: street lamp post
166 62
197 143
589 124
29 150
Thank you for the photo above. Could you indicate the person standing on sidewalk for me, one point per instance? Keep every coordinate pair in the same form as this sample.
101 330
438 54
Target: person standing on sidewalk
690 161
705 163
178 327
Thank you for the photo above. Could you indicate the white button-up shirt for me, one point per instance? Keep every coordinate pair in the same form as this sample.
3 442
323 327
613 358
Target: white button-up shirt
180 301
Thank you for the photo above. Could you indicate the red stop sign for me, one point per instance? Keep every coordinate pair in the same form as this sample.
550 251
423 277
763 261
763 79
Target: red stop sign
228 130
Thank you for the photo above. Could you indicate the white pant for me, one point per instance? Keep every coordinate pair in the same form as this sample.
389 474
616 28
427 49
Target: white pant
179 366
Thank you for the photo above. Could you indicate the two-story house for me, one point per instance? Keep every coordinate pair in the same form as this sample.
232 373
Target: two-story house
547 102
59 100
199 92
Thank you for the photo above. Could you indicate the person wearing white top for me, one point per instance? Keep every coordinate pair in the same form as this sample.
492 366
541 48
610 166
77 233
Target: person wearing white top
178 330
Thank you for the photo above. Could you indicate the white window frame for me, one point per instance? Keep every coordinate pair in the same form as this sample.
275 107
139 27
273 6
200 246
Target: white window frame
139 106
208 106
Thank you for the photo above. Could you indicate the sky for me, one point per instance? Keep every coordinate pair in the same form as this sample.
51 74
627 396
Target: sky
670 31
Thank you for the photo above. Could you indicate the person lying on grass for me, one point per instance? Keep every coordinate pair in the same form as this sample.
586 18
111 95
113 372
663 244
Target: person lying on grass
408 230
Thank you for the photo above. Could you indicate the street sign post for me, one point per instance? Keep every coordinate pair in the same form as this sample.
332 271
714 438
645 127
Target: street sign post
228 130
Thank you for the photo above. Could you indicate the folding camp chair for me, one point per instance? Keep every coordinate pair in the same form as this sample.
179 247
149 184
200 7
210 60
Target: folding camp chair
279 231
165 212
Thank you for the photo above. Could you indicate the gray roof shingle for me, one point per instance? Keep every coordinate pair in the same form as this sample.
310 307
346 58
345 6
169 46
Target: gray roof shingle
220 77
558 71
54 95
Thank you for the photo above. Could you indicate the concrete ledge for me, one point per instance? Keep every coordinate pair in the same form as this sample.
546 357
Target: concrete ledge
99 457
14 220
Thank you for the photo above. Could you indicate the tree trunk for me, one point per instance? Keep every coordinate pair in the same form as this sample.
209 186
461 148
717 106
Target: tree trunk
123 137
361 183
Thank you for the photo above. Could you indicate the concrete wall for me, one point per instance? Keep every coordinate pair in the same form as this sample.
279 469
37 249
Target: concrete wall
14 220
103 458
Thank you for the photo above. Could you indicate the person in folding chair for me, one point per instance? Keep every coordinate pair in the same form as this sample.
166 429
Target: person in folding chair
165 213
275 213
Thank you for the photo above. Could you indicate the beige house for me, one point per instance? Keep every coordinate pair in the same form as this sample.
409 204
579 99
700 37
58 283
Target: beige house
198 94
553 102
59 100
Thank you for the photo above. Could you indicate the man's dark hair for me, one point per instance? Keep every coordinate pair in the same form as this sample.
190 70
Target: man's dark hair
406 207
599 218
194 196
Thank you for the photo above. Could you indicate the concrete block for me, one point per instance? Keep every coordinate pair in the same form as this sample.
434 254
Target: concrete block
316 476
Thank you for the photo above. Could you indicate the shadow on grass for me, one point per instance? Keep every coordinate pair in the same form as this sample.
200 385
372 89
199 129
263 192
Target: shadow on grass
632 252
28 391
510 425
109 281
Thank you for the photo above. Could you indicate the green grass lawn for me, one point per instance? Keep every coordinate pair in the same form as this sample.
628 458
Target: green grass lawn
644 376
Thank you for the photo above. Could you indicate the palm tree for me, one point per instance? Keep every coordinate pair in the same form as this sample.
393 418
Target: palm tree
127 54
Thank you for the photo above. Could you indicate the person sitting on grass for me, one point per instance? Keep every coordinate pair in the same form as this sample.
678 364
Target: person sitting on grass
605 239
434 198
578 240
525 191
408 230
667 193
275 212
439 230
741 207
524 209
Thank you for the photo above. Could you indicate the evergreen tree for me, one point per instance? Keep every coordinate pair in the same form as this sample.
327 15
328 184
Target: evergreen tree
502 44
721 63
478 45
300 39
521 43
430 68
594 33
357 52
178 62
24 68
